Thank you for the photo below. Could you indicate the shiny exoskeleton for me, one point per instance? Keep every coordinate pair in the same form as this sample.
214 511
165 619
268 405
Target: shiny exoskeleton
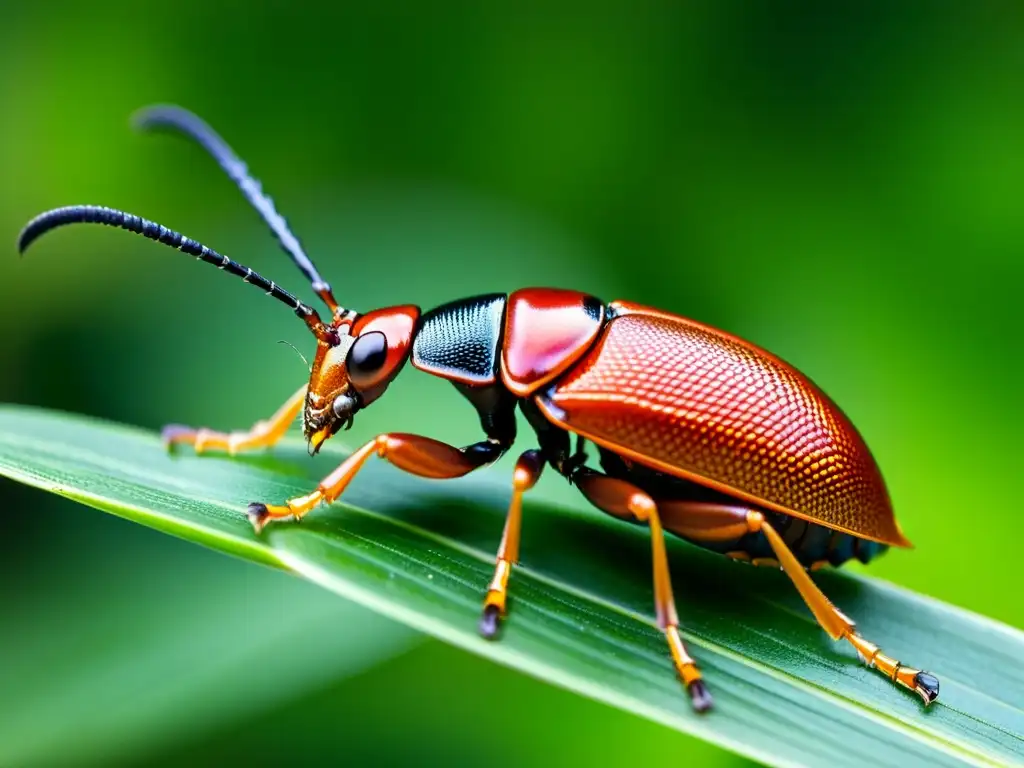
698 432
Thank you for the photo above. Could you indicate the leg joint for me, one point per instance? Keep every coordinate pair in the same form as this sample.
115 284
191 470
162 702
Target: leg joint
528 470
641 506
523 479
754 520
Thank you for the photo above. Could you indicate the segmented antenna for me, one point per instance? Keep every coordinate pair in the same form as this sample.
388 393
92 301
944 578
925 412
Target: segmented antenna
180 119
94 214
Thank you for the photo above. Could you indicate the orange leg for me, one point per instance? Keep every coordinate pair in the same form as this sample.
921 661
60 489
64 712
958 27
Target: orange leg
626 501
261 435
417 455
526 475
698 522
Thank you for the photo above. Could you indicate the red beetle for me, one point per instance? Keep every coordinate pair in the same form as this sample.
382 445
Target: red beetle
699 433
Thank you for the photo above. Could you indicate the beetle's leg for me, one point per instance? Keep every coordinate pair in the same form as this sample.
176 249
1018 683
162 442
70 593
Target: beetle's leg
718 523
262 434
526 475
625 500
925 684
417 455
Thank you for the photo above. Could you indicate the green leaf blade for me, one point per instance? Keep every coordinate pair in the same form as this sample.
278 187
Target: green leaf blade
580 608
153 665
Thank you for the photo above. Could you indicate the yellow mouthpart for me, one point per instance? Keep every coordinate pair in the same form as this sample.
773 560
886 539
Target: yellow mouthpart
317 438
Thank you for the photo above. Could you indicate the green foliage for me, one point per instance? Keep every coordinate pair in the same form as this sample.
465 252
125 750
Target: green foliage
422 553
155 650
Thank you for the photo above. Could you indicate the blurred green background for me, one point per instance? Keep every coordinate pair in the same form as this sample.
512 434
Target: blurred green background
840 185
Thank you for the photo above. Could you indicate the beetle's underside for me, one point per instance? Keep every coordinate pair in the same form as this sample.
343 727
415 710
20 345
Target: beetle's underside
699 433
814 545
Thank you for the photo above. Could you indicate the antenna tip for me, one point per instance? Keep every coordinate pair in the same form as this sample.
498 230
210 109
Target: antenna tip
29 233
58 217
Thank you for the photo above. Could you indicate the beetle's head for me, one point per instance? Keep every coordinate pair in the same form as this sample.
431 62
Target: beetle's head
357 356
349 375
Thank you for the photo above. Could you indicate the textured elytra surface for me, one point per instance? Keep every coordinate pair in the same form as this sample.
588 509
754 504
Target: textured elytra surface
703 404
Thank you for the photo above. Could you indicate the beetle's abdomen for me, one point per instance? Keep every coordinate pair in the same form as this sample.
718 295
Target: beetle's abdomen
811 543
698 403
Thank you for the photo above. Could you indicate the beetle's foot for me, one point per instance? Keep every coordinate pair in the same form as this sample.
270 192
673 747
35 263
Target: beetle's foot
490 622
687 670
927 687
172 434
700 696
924 684
497 598
258 515
261 514
202 440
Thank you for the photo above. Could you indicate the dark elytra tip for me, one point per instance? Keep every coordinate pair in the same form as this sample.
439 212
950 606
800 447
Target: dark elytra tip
700 696
927 686
257 514
489 622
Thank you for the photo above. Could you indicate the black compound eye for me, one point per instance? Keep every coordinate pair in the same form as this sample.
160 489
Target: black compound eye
367 356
